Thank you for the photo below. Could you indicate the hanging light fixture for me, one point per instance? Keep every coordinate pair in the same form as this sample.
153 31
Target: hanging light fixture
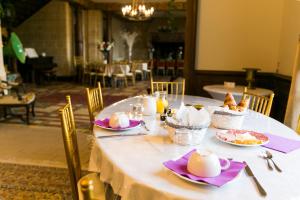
137 11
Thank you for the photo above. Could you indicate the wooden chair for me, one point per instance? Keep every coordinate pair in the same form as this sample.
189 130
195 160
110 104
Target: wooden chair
161 67
170 66
179 67
171 87
298 126
130 74
100 72
261 104
89 72
96 189
95 102
137 69
119 75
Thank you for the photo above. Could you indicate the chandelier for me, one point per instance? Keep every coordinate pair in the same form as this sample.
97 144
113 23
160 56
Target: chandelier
137 11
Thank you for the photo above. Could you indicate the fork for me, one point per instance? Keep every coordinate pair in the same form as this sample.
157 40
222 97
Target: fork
270 156
144 125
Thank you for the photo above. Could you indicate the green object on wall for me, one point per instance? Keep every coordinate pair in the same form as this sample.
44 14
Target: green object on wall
14 48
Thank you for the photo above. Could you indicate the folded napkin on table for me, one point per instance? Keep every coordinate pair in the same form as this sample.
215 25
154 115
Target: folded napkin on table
281 144
190 116
180 167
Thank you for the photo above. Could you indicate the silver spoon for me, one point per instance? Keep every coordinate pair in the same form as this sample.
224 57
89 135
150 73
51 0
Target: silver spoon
270 156
264 155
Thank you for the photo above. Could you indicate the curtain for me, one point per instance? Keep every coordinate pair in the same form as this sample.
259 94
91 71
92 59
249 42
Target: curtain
293 108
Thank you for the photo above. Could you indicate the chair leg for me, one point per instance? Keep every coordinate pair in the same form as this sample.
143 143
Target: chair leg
125 82
103 80
95 80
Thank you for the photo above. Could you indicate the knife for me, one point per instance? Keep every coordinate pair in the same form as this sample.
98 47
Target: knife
259 187
120 135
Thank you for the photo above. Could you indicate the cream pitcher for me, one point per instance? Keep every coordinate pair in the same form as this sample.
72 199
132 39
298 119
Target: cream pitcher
149 104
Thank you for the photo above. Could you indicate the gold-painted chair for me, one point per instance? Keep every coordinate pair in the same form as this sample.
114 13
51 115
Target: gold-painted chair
119 74
261 104
96 189
95 102
100 73
171 87
298 126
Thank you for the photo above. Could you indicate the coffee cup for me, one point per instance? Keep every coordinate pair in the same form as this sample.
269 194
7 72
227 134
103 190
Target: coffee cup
206 164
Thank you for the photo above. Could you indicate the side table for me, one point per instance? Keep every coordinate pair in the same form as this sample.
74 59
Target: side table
10 101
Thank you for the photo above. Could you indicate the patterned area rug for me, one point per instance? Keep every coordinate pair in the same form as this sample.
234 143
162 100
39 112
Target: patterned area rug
52 97
33 183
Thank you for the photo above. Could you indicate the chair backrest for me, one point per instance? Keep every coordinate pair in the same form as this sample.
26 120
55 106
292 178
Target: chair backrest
171 87
298 126
95 101
70 144
261 104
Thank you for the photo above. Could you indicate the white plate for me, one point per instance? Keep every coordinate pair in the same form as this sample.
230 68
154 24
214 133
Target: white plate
242 145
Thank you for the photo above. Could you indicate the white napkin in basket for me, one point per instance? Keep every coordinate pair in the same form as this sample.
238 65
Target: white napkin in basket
190 116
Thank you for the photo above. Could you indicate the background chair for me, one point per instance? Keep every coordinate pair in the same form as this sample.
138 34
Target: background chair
170 66
119 75
137 68
100 72
171 87
179 67
161 67
72 156
261 104
95 102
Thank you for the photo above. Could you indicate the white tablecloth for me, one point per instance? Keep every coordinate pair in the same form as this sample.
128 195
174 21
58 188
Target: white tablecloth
133 165
219 91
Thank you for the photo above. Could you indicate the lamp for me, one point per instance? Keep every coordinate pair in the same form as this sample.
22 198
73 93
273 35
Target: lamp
250 76
137 11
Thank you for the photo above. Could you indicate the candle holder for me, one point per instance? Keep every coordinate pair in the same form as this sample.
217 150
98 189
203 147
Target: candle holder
250 76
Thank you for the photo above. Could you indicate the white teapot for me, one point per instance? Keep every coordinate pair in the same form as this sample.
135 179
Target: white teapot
149 104
205 164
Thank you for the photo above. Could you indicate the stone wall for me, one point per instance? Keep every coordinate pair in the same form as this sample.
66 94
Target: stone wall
50 31
93 35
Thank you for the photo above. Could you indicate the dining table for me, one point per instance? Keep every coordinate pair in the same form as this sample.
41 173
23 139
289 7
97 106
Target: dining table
219 91
133 165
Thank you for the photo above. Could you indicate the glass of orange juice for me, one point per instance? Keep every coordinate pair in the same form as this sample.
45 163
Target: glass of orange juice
161 102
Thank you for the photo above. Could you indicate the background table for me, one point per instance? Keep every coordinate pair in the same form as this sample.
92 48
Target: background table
219 91
133 165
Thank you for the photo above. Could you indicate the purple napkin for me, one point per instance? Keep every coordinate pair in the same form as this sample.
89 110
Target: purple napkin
105 124
281 144
180 167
